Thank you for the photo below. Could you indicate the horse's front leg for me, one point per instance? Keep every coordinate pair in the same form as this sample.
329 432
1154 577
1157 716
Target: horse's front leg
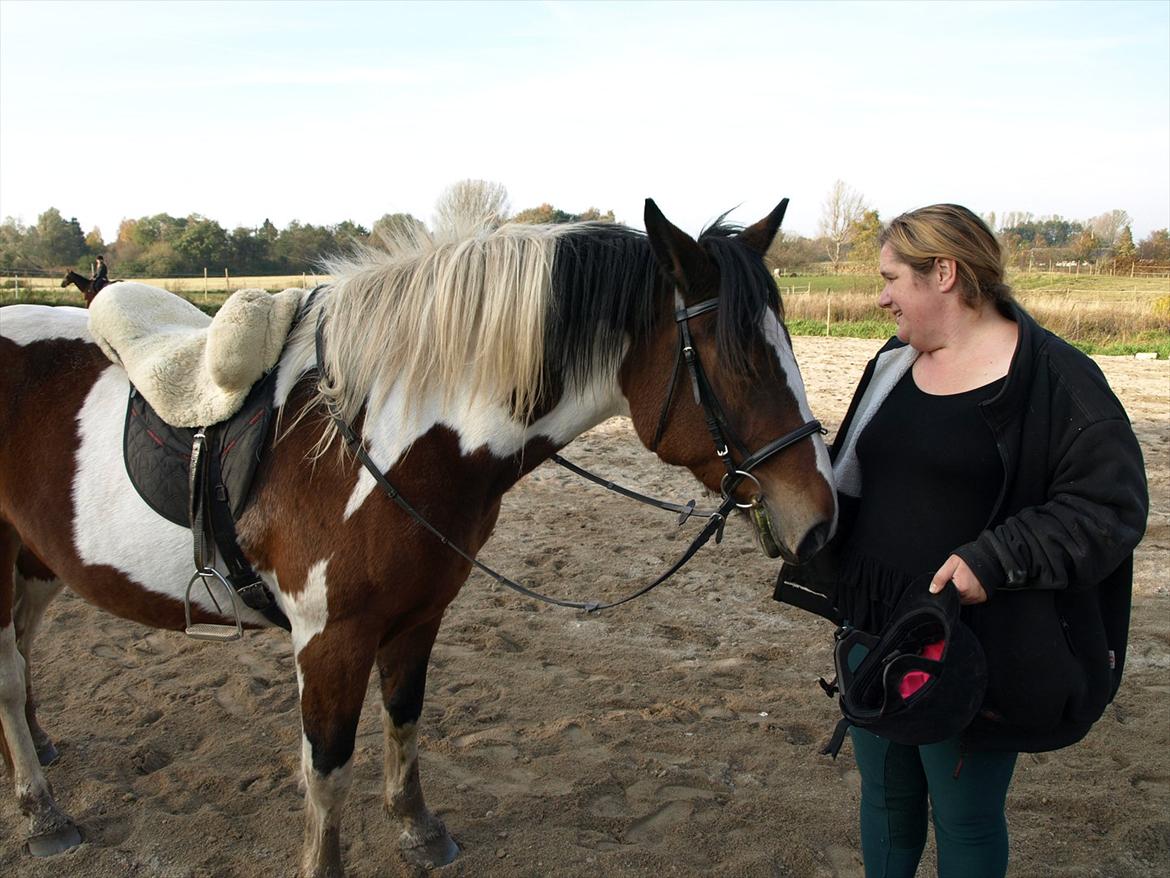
402 666
333 671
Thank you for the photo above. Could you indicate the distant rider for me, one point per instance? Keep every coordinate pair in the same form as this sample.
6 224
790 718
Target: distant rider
101 275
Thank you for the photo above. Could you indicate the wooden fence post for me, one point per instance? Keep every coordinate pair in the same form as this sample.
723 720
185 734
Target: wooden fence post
227 286
828 309
205 283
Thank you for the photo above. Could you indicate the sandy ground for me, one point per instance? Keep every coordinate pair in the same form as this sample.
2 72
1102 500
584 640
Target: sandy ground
674 736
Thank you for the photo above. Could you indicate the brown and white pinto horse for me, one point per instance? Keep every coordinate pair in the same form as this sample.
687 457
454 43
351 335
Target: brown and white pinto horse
462 363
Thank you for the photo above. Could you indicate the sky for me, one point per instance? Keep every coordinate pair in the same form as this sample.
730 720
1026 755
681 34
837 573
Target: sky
322 112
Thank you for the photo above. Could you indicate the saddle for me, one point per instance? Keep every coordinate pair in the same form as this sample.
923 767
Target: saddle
192 369
202 394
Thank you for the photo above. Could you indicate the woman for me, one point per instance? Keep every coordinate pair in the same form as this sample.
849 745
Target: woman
983 449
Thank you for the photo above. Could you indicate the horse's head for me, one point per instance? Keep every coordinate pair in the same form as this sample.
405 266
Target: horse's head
68 279
714 385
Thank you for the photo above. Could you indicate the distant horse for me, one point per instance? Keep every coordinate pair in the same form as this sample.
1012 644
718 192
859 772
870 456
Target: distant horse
84 284
462 363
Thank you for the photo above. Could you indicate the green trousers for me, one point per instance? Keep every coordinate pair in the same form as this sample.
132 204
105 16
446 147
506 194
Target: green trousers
966 804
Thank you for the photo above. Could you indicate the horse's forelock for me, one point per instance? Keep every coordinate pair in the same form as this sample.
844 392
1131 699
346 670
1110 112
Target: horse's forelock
746 290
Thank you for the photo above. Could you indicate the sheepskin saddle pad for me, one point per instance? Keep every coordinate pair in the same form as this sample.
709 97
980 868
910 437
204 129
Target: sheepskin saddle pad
193 370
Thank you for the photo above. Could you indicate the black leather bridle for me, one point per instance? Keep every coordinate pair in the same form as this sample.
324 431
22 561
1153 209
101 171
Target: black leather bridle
717 424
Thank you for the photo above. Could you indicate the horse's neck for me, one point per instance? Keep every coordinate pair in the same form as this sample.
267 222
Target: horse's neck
480 424
392 424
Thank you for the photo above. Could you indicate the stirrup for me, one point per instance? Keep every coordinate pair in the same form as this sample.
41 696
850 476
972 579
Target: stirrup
212 630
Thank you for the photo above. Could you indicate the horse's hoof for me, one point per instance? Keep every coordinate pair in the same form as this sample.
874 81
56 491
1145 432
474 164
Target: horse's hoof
56 841
432 854
47 754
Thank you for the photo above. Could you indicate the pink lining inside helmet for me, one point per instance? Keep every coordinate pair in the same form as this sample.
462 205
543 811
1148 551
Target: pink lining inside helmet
915 680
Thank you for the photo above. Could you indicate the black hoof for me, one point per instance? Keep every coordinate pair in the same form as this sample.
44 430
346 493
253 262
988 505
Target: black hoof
436 852
57 841
47 754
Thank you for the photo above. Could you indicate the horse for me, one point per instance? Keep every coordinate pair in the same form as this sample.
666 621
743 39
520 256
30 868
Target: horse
82 283
457 362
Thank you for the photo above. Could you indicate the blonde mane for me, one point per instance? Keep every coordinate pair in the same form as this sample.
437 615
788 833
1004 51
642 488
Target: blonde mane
446 314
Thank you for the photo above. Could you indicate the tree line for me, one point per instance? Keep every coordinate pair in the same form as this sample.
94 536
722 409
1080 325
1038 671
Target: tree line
167 246
849 230
163 245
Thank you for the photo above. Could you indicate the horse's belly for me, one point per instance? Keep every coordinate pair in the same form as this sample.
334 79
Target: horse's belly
114 530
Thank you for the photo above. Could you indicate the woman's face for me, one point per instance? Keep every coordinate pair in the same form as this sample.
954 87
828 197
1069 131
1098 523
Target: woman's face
914 301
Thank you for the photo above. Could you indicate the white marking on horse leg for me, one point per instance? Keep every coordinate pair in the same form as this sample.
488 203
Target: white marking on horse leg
400 764
25 768
32 790
424 840
307 611
324 800
32 598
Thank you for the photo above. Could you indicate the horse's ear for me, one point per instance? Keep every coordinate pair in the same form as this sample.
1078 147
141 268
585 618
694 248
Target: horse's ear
679 255
759 237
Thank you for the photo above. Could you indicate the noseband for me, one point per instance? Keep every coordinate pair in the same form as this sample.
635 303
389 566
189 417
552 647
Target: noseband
717 424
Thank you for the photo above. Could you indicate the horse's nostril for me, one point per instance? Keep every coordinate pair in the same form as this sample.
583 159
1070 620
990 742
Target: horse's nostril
813 541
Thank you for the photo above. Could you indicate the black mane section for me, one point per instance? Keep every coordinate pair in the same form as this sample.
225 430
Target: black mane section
603 286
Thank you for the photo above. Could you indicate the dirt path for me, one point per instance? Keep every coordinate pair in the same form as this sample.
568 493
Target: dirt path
675 736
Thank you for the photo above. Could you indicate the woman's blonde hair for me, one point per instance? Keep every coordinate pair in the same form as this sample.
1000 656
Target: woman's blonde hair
950 231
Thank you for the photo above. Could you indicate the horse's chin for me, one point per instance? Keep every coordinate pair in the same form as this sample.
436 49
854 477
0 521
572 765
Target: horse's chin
770 544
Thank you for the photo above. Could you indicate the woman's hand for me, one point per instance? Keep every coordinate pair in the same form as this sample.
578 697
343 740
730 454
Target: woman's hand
955 570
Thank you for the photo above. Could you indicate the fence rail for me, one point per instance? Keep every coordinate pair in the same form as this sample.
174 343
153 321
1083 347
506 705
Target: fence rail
16 284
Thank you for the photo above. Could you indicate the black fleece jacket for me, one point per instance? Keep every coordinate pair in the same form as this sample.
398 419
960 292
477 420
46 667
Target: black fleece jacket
1056 557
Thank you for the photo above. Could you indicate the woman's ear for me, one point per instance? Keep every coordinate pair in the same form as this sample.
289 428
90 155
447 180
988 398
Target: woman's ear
945 273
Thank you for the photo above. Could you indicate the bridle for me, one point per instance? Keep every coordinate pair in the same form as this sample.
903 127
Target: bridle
717 424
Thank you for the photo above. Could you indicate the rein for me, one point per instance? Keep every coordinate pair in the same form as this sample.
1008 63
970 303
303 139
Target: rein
716 423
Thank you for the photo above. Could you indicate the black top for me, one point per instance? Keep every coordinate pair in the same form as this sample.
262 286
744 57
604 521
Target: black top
931 474
1057 556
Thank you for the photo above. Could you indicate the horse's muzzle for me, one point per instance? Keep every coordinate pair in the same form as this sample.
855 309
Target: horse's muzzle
774 547
762 525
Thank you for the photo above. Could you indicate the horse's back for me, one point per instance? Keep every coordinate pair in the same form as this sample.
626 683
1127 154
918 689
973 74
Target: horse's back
26 324
40 346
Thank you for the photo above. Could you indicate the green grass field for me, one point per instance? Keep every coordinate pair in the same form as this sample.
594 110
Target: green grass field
1100 314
